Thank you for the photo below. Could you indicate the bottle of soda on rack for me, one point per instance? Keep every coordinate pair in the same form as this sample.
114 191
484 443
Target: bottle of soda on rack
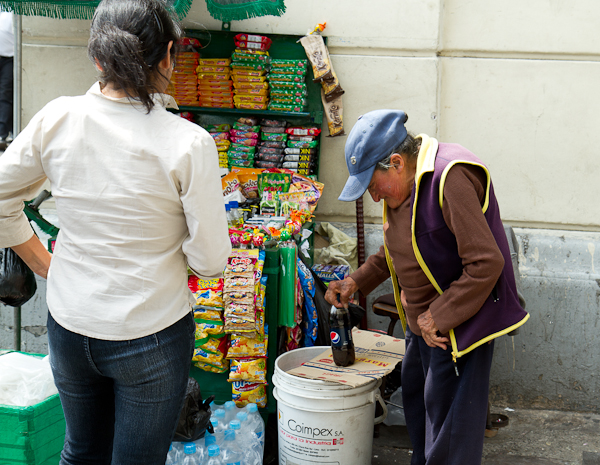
340 332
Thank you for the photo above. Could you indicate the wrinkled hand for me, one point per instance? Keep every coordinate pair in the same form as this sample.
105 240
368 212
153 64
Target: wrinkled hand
344 288
429 331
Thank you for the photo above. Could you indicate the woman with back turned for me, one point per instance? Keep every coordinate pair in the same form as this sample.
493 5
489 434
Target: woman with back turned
138 197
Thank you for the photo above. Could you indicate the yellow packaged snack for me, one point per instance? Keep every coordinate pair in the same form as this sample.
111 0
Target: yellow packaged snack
220 367
254 371
208 313
209 327
245 347
244 393
207 292
201 355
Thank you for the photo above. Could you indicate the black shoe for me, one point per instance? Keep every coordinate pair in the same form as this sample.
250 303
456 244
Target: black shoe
3 143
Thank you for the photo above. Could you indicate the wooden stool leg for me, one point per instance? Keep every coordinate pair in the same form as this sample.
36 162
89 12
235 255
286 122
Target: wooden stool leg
391 326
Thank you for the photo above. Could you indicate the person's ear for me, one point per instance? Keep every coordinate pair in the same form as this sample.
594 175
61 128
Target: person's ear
398 161
167 62
97 63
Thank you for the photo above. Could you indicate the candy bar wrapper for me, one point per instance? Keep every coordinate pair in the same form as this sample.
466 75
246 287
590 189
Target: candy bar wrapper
334 113
317 53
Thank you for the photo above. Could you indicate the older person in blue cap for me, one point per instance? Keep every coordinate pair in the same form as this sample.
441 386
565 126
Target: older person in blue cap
447 254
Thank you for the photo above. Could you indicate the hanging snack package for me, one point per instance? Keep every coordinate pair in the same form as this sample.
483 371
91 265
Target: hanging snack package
242 260
317 53
207 292
220 367
253 371
208 313
245 347
334 113
215 344
208 327
244 393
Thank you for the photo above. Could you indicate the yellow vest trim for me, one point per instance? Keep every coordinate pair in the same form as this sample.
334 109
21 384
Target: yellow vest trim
393 276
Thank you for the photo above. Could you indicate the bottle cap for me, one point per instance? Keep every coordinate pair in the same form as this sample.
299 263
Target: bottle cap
220 413
242 416
170 447
189 448
252 408
213 450
235 424
229 405
229 435
214 422
209 439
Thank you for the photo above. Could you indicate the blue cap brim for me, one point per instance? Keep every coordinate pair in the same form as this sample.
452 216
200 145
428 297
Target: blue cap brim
357 185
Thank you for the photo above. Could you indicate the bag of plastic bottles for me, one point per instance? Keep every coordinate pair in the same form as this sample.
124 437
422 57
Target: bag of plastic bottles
194 418
17 281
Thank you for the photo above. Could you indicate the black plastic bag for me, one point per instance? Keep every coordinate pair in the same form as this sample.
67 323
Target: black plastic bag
323 309
194 418
17 281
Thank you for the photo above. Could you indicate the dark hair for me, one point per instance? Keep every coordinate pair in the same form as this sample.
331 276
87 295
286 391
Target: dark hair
128 38
410 147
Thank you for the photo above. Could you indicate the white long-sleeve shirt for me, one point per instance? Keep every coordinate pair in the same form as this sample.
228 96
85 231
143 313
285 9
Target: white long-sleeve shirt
138 196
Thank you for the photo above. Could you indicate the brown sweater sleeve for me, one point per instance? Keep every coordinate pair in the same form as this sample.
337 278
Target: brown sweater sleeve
464 193
372 273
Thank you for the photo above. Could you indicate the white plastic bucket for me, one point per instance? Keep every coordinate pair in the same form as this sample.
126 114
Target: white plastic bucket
320 422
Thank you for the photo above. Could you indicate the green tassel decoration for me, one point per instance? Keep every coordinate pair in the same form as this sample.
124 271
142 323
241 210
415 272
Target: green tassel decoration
75 9
237 10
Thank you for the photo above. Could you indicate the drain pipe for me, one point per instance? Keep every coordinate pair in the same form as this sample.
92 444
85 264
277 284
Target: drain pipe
17 92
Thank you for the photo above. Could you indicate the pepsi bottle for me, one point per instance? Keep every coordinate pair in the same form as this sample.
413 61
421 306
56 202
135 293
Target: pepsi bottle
340 332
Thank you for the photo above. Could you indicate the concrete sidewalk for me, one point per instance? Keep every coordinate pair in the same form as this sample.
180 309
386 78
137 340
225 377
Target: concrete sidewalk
532 437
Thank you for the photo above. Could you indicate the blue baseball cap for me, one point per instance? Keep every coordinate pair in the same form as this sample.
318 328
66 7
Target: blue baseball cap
372 138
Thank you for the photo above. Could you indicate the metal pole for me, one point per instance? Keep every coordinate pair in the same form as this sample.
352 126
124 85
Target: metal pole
17 328
17 92
360 236
17 74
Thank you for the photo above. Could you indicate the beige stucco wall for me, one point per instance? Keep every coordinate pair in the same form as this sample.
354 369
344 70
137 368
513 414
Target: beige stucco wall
515 82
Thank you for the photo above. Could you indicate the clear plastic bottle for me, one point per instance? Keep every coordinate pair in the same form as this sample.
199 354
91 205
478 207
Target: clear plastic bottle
173 456
256 424
228 215
247 440
232 454
230 411
201 451
235 213
214 455
218 430
209 440
190 457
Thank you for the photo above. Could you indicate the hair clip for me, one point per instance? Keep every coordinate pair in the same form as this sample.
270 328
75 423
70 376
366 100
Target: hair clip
158 21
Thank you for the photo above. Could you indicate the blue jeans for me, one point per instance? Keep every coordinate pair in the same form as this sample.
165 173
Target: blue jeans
121 399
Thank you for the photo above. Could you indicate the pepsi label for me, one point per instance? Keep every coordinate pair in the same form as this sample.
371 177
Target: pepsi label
340 337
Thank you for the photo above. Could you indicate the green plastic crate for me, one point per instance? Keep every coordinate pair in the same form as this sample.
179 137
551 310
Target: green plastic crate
32 435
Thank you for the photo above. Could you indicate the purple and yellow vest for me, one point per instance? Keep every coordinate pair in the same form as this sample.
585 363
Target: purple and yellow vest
437 253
